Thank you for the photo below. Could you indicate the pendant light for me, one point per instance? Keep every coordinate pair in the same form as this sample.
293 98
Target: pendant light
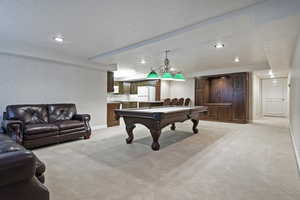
179 77
165 71
153 75
167 76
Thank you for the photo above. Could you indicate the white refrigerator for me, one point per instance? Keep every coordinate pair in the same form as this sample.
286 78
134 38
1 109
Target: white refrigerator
146 93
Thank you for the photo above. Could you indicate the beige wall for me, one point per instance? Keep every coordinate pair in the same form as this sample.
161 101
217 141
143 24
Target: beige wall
31 81
178 89
295 100
288 94
184 89
165 89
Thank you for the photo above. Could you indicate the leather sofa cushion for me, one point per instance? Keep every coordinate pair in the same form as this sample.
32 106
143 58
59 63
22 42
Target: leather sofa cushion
29 114
59 112
8 145
40 135
69 124
4 139
73 130
39 128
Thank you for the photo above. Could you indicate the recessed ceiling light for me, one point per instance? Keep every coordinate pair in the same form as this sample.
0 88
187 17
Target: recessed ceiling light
143 61
271 73
219 45
58 39
237 59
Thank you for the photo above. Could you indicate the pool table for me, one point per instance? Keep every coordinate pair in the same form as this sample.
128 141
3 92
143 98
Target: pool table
157 118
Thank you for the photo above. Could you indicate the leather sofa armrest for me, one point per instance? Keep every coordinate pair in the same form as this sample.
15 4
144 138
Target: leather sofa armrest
7 123
14 128
16 166
4 116
86 119
40 168
82 117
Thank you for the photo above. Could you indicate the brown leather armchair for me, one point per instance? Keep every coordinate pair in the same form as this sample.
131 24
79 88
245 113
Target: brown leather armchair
41 124
21 173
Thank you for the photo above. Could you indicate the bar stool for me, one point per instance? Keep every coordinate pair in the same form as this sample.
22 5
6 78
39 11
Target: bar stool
174 102
180 102
187 102
167 102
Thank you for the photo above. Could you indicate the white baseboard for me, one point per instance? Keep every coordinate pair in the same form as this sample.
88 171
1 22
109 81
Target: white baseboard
295 149
98 127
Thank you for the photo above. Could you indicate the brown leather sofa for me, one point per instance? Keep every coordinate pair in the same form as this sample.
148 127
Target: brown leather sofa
21 172
41 124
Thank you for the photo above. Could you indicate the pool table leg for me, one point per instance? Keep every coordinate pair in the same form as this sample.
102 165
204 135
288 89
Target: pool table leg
173 127
195 124
129 129
155 136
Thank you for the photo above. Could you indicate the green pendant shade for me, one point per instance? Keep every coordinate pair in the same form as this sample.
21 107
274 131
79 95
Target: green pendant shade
152 75
167 76
179 77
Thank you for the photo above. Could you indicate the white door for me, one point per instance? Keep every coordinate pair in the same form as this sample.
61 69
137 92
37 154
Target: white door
274 97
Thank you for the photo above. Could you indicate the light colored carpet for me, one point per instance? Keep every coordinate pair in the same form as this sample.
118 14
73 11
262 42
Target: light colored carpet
224 161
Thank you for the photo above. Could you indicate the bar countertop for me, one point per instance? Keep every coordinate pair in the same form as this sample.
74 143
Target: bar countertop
218 104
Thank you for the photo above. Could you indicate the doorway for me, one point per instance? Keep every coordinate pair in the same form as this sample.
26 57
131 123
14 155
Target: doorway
274 97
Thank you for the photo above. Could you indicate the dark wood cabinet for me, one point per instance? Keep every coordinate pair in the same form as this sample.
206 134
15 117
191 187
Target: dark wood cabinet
146 83
110 81
218 112
150 104
201 91
226 95
240 98
119 84
126 88
157 90
129 104
225 113
111 117
133 88
212 113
